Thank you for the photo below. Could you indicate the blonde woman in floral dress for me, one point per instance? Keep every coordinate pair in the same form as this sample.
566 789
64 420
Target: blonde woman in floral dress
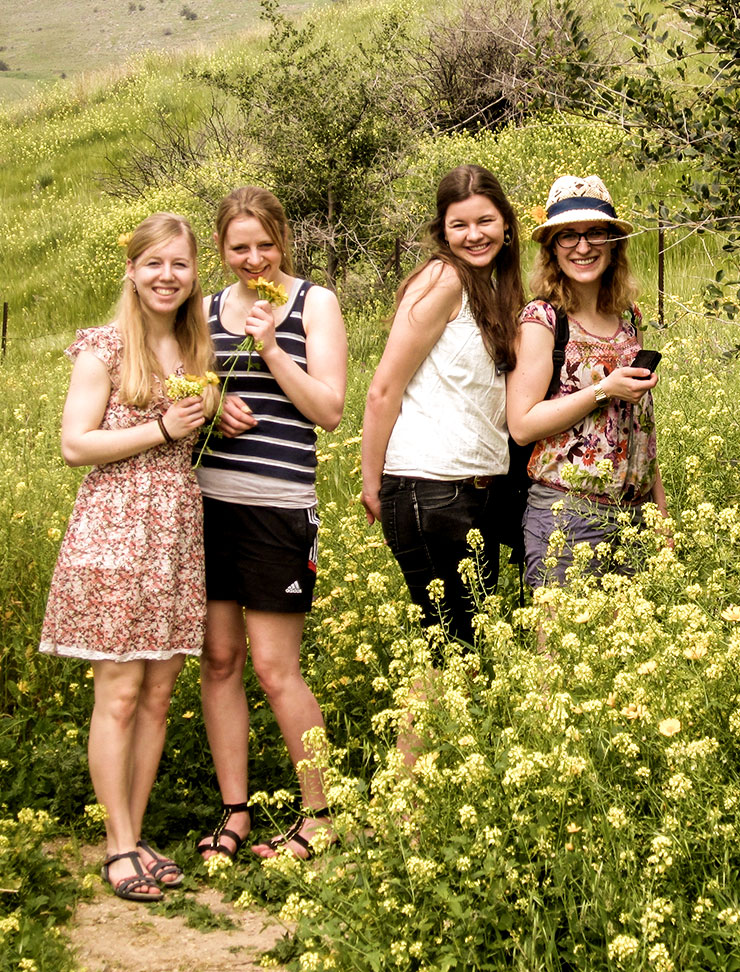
595 448
128 591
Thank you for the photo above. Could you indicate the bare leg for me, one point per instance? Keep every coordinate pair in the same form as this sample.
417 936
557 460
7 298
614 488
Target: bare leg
225 706
148 739
275 642
117 688
409 744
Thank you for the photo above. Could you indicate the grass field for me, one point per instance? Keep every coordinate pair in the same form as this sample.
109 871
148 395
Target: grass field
43 41
573 811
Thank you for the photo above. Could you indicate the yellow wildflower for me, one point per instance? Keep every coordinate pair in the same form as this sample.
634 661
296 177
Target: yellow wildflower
731 613
669 727
647 667
274 293
695 652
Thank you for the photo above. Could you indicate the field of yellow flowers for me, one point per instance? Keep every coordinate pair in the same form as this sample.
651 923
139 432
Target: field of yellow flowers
574 808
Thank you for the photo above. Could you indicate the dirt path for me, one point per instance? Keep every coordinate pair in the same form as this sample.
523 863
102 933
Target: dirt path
108 934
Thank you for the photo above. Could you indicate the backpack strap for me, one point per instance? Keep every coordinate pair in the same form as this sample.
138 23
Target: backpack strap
562 336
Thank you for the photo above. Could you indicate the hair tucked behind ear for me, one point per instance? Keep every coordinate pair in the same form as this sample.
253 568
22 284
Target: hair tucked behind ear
495 309
138 363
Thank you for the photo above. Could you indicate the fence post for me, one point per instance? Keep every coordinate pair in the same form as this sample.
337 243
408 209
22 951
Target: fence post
5 327
661 264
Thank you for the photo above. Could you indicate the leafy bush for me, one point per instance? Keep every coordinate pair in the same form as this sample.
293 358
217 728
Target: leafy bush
36 897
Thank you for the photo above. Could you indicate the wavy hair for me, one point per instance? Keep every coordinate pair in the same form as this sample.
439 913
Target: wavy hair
617 292
265 207
138 362
494 308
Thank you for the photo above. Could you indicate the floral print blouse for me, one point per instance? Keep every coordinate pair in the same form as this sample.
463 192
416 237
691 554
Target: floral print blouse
611 454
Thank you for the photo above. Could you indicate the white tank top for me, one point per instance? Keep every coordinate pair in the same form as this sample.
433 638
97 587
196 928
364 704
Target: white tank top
452 422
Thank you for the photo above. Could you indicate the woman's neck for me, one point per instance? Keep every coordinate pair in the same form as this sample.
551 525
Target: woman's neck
158 327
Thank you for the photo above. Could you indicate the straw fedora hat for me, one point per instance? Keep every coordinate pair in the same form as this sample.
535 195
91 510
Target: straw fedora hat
574 200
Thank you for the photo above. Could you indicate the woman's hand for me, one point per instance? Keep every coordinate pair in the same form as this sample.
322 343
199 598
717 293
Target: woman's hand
236 417
316 390
370 499
260 323
184 417
629 384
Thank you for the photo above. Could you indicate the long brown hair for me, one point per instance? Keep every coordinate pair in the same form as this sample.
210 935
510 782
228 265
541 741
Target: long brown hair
138 363
617 291
265 207
495 308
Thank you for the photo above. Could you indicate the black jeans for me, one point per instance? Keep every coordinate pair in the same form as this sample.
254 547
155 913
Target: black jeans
426 522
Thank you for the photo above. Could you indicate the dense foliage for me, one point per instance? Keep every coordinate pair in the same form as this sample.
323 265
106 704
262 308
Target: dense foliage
574 809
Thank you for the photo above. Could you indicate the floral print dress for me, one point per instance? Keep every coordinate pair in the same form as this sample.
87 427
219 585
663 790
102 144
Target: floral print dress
611 454
129 580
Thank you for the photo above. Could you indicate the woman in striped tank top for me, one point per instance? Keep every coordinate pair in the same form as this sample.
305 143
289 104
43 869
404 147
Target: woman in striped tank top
260 521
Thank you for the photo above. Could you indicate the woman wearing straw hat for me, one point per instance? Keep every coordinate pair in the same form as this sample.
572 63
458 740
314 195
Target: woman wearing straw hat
595 447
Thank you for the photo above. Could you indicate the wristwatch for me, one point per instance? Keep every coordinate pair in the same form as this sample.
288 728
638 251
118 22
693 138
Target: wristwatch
599 394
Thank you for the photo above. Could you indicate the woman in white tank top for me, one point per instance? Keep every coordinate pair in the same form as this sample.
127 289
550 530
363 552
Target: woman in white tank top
435 440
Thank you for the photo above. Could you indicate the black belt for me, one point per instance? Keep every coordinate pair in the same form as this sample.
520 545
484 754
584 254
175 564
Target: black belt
480 482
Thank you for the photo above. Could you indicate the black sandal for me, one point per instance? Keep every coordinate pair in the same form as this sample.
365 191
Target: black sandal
213 841
161 867
294 833
123 888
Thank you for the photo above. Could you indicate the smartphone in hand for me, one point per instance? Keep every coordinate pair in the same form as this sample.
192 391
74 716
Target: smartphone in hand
646 359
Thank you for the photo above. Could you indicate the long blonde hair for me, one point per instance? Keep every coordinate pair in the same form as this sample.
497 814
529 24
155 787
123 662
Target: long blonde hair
265 207
138 363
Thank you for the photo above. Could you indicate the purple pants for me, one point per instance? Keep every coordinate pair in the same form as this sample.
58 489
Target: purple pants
582 521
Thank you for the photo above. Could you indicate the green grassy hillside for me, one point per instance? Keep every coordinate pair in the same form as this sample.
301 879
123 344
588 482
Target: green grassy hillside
43 41
574 810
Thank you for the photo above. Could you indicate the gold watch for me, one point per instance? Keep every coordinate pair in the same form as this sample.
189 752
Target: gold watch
599 394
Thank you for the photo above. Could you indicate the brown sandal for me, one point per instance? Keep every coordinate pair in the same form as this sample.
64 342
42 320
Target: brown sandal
140 879
162 867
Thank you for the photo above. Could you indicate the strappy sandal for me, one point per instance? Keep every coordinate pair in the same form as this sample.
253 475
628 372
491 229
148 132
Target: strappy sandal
161 867
293 833
140 879
213 841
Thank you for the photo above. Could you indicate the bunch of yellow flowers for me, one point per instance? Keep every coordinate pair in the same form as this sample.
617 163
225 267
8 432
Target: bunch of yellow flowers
269 291
187 386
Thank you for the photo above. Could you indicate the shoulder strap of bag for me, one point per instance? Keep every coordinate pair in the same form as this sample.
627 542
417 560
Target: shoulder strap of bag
562 336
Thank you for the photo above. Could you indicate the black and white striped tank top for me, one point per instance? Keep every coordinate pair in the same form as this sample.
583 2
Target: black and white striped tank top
282 444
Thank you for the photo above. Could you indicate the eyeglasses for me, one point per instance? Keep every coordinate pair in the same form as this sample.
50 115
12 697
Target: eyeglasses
596 236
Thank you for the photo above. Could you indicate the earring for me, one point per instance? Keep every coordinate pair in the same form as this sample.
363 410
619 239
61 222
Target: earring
507 237
133 284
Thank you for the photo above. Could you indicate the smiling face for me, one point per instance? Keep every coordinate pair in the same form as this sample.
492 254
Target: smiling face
585 263
474 229
164 276
250 251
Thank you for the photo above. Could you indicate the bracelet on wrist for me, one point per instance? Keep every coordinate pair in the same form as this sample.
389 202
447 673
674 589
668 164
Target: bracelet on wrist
163 429
599 394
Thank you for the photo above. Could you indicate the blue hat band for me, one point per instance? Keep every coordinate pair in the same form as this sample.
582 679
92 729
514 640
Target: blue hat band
581 202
